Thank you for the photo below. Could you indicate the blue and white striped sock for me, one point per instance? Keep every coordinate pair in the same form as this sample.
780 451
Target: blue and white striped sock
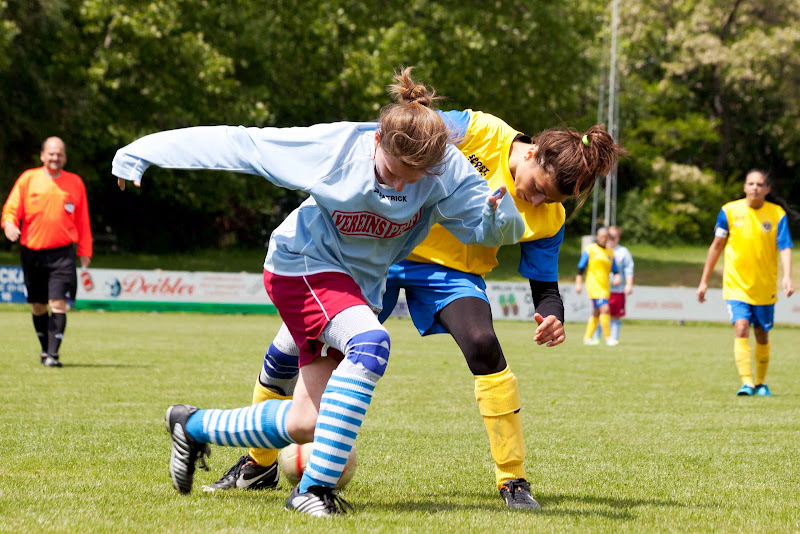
341 412
615 326
261 426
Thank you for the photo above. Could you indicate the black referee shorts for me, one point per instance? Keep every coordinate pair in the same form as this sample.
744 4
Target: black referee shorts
49 273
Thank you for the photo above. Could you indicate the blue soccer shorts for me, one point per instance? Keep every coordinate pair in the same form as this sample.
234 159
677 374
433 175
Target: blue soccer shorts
596 303
429 288
761 316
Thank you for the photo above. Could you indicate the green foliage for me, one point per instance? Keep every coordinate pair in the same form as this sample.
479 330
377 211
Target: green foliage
710 84
679 205
714 85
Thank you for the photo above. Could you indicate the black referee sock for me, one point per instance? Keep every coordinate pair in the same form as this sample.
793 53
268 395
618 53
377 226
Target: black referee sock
41 325
55 332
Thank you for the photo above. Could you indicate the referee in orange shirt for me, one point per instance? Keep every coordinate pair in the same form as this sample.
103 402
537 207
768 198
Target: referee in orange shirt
48 212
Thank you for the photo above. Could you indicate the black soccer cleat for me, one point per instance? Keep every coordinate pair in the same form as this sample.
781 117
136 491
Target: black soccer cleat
517 494
52 361
185 451
318 501
247 474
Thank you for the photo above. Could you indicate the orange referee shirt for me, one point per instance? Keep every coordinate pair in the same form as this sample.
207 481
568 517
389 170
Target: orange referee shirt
54 211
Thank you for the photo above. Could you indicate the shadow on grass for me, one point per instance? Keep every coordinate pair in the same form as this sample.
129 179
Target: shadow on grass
624 505
604 507
66 365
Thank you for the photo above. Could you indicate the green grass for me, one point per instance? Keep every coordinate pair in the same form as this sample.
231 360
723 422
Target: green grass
644 437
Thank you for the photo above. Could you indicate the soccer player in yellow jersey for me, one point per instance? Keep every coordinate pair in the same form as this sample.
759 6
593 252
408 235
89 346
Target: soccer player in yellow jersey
754 232
446 292
443 279
597 261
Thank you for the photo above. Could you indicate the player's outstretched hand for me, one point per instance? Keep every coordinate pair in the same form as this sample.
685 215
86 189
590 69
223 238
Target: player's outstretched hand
121 183
494 198
550 331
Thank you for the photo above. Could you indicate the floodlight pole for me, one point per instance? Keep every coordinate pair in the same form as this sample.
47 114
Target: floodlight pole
610 182
596 190
611 178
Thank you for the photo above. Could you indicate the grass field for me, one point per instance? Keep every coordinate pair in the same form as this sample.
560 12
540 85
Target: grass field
644 437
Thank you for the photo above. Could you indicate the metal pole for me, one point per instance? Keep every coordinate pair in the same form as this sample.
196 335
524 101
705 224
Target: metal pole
601 100
615 135
612 85
596 191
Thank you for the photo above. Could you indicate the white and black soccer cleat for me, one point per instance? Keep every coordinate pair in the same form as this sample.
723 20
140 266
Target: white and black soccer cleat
247 474
185 451
318 501
517 494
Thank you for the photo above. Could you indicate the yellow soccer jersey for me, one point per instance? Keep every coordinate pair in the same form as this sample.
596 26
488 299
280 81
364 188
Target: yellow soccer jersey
599 264
486 141
754 238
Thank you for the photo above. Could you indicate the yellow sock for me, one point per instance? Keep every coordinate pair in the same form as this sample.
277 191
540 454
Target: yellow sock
762 362
591 326
265 457
498 401
605 325
741 352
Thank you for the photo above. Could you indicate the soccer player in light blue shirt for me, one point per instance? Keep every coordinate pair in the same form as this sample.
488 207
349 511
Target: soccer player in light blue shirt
375 191
619 292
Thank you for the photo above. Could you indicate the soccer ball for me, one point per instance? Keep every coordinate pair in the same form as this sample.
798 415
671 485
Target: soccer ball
293 459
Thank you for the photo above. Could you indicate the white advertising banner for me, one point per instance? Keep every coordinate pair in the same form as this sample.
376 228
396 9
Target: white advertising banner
162 290
512 301
156 290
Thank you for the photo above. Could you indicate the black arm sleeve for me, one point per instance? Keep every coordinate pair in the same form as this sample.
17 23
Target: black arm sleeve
547 299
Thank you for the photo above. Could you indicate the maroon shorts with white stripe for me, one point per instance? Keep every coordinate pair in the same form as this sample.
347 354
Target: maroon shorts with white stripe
616 305
308 303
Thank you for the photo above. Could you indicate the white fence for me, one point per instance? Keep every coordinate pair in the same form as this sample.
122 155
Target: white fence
123 289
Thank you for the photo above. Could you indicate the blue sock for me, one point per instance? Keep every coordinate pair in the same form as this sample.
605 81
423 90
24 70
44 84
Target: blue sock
615 326
261 426
598 332
341 412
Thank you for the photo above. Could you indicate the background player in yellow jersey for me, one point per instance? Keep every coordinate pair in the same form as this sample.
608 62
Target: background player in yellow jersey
597 261
445 289
754 232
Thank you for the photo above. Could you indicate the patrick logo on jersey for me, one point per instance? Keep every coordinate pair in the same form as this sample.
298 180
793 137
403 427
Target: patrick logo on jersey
370 224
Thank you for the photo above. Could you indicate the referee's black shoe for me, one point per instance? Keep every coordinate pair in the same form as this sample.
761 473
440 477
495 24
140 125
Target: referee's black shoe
51 361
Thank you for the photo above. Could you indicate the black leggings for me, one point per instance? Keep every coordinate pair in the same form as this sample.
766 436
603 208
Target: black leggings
469 321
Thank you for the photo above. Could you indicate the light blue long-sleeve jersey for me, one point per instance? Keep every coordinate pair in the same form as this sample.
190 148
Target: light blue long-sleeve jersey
351 223
624 261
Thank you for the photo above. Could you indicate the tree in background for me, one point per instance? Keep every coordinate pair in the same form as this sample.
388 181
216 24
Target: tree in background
709 89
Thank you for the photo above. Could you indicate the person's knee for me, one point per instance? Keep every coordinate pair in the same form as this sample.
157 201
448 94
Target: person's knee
742 328
38 308
58 306
301 423
279 372
483 353
371 350
761 335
